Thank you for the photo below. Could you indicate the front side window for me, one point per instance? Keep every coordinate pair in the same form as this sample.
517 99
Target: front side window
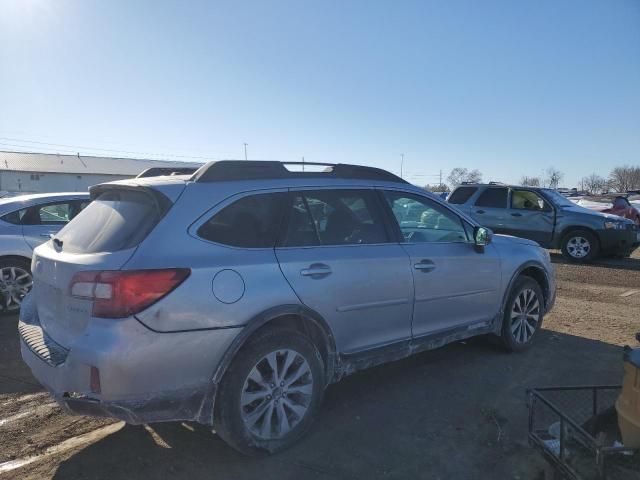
527 200
493 198
334 217
250 222
422 220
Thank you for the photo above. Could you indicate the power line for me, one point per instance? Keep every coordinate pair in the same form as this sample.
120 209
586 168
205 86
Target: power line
49 146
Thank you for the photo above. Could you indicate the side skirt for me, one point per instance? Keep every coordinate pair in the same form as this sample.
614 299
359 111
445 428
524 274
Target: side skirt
354 362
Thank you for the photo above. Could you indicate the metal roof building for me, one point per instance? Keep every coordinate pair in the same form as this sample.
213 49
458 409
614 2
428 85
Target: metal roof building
44 172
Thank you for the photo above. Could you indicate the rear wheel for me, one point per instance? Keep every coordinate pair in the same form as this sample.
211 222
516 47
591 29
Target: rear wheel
523 314
15 282
580 246
271 393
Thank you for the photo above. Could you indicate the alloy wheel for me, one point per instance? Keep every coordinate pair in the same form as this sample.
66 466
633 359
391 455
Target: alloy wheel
276 394
578 247
525 315
15 283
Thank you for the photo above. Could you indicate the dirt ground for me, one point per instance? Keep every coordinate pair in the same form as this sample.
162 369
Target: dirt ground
455 413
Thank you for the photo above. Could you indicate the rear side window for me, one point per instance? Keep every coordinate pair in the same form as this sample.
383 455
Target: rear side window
115 220
14 217
461 195
50 214
334 217
250 222
493 198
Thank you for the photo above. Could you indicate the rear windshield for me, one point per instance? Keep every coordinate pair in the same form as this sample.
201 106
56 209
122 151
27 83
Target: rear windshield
115 220
461 195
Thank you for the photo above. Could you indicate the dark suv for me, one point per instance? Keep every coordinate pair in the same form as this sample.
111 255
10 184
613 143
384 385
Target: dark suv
544 215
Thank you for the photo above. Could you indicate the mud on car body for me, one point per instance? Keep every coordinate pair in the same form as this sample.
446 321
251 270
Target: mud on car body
234 296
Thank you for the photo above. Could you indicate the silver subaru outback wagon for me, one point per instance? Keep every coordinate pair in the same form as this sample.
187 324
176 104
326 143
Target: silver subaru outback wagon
234 296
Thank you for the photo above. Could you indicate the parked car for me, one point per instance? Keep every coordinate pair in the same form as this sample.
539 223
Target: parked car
25 222
620 207
234 297
546 216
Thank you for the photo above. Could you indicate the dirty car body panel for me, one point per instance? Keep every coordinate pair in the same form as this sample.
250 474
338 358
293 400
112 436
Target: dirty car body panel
366 296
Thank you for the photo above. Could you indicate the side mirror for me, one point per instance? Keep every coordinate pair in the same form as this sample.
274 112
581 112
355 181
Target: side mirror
481 238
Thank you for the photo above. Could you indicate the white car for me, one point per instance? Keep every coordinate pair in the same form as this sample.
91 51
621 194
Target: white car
27 221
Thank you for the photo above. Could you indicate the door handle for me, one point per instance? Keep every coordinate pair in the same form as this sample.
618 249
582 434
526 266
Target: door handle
479 211
425 266
48 235
316 270
516 214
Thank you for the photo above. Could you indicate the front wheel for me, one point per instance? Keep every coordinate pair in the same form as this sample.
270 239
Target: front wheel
271 393
15 282
523 314
580 246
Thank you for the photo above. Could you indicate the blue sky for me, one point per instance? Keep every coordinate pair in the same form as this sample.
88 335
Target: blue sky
508 87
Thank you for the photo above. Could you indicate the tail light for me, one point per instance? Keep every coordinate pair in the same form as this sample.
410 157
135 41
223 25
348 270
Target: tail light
120 294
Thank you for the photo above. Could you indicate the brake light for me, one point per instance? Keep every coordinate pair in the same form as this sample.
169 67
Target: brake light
120 294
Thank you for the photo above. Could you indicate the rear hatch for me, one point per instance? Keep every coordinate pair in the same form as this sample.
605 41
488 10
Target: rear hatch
101 237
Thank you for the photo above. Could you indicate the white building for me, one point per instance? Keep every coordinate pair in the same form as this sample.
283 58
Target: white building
44 172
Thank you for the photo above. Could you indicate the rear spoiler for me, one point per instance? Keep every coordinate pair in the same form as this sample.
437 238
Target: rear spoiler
160 200
160 171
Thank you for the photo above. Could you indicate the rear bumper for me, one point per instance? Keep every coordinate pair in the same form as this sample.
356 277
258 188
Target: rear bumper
144 376
622 242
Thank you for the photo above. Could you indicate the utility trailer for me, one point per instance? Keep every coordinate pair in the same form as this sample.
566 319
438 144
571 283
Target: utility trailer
576 429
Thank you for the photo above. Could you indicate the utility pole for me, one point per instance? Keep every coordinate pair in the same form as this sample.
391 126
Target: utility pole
303 164
401 164
245 150
440 184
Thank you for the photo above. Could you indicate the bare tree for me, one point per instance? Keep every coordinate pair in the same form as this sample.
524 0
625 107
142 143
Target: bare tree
554 177
437 187
594 184
625 178
526 181
459 175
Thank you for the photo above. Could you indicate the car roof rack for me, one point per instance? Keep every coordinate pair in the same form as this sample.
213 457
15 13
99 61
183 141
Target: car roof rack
229 170
159 171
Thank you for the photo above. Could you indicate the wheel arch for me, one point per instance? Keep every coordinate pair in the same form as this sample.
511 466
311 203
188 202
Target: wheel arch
298 317
572 228
531 269
16 257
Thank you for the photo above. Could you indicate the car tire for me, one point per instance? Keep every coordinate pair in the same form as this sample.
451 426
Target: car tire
14 285
580 246
523 315
258 414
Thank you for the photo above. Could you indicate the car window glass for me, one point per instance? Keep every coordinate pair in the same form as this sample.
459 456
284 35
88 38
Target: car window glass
115 220
621 202
526 200
461 195
250 222
50 214
15 217
334 217
422 220
493 198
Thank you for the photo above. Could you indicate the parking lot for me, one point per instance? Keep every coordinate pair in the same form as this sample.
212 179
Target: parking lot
457 412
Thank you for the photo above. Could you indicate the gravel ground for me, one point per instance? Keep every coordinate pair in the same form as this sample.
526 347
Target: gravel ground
457 412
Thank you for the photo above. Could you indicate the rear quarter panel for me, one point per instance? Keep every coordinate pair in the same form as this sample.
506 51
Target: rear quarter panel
194 304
